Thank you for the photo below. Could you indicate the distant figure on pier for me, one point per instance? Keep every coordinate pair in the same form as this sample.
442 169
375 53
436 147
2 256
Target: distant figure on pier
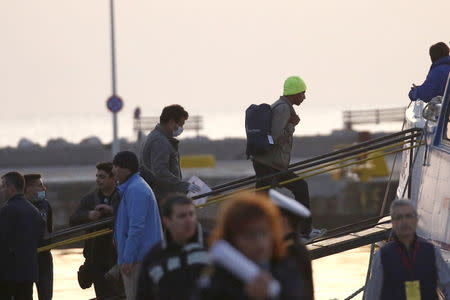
21 231
35 192
435 82
160 159
408 267
137 120
100 255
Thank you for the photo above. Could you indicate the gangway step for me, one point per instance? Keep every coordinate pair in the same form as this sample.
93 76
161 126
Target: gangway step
336 244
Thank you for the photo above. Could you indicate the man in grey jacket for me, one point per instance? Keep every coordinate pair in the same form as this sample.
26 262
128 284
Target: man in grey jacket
160 160
284 121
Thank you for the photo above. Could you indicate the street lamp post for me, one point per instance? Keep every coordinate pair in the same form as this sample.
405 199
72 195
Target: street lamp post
114 102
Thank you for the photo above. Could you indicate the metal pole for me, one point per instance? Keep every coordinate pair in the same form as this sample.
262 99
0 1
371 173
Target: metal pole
115 144
411 166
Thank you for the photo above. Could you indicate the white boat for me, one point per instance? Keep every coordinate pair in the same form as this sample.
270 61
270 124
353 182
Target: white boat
429 186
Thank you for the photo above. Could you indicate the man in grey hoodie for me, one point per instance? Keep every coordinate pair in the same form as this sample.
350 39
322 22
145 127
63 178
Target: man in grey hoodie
284 121
160 160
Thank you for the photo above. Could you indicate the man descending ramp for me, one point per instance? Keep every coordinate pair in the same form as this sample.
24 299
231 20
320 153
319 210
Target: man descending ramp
160 159
271 151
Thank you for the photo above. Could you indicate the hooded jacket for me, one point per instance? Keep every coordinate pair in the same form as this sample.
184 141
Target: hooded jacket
435 82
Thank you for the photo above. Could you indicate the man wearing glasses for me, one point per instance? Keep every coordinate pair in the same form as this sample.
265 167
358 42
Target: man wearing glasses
407 267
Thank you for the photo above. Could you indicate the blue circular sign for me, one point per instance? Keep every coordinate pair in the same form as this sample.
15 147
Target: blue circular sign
114 104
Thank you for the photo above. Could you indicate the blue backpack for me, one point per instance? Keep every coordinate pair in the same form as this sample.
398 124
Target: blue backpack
258 123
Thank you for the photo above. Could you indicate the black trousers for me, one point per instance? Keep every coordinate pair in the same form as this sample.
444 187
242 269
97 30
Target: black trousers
299 188
44 285
105 289
16 290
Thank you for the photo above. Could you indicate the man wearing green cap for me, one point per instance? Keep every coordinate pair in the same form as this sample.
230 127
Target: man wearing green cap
284 120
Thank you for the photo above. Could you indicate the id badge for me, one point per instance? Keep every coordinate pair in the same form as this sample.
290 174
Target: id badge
412 290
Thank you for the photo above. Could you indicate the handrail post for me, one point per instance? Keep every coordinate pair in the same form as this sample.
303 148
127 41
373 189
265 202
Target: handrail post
411 161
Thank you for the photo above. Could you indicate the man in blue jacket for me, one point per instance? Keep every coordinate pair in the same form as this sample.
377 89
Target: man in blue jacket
434 84
138 226
21 229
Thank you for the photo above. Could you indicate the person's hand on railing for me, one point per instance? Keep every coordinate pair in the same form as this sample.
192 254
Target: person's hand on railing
94 215
104 209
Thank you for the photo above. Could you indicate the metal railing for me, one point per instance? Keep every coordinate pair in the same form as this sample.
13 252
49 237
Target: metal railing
372 116
390 144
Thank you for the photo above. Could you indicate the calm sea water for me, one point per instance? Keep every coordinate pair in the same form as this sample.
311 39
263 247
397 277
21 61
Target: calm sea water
335 277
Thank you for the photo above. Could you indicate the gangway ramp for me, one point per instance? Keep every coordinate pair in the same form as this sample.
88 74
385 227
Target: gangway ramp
351 239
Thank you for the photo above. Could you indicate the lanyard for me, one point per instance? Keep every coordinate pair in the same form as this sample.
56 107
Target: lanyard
408 260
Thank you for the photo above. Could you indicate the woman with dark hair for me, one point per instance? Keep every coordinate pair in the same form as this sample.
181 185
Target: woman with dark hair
251 224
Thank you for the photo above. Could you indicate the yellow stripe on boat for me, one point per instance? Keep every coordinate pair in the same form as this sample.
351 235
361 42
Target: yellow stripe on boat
198 161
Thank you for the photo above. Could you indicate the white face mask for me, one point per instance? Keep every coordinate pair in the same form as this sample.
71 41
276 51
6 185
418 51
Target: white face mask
178 131
41 195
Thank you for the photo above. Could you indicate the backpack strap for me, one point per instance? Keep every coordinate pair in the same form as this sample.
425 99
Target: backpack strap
282 103
278 104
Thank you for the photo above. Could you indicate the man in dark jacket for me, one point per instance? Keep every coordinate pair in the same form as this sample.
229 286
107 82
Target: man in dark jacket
160 160
407 267
435 82
100 253
292 214
35 192
21 230
171 268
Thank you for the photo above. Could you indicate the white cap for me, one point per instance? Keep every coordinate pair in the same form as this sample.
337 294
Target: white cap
289 204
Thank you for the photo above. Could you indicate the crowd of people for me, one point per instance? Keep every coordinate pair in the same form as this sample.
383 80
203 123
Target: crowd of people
158 248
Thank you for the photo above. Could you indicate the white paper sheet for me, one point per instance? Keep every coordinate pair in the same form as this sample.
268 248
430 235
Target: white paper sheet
204 188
